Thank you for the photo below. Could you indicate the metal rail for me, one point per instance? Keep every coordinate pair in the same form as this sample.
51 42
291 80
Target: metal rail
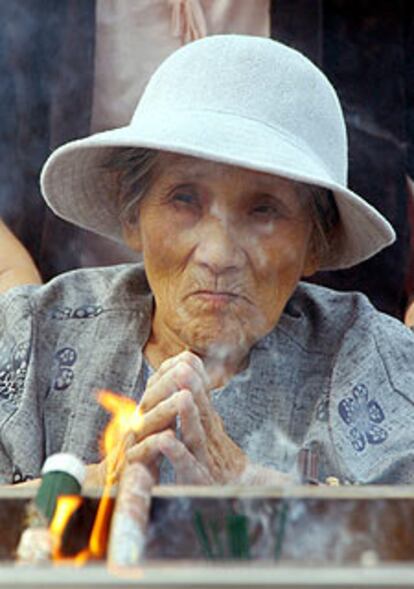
185 575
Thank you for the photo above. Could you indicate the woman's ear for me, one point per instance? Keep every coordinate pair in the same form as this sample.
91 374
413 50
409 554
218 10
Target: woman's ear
131 233
311 266
312 260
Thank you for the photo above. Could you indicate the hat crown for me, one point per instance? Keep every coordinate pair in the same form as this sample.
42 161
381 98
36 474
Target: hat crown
239 100
254 78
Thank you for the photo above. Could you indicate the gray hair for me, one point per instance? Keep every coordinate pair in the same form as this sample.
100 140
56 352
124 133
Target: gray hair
134 168
324 216
135 171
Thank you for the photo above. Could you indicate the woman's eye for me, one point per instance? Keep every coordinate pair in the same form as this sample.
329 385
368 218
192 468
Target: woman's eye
185 198
265 211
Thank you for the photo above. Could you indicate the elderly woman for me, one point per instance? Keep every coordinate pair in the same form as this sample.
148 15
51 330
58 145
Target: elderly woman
231 182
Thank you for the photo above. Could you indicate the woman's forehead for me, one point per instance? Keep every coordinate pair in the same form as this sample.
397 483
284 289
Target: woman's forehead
187 168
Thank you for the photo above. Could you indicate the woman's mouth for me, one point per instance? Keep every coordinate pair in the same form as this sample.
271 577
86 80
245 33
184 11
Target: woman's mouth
215 297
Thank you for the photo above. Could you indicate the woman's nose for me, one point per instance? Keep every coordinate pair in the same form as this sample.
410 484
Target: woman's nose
218 246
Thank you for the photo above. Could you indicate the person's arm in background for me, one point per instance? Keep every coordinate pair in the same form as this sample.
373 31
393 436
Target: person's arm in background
16 265
409 282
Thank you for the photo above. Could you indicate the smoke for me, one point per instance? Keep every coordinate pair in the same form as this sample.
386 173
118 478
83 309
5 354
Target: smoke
269 443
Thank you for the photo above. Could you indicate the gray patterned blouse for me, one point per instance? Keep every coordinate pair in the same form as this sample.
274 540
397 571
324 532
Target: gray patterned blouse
334 375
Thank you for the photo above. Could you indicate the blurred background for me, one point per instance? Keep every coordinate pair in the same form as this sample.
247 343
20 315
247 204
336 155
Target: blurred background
71 67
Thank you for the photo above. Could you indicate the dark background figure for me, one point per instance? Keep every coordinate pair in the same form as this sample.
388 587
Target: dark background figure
46 64
366 48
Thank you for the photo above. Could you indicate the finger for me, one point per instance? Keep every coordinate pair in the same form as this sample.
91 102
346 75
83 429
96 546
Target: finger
187 469
193 434
199 393
185 357
189 358
166 366
148 451
180 375
161 417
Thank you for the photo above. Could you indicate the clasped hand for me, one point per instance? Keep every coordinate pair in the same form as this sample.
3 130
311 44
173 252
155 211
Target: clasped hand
204 454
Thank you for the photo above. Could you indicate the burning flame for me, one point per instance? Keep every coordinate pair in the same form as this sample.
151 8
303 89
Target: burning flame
66 506
126 420
118 435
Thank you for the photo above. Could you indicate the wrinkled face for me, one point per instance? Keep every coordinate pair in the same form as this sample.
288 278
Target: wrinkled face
223 248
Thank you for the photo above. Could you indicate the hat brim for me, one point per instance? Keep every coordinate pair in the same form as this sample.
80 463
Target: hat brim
78 187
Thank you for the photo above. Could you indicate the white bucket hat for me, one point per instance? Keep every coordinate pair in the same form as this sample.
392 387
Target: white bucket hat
234 99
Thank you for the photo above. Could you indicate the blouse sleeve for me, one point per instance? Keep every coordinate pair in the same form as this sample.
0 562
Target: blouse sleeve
16 331
372 402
